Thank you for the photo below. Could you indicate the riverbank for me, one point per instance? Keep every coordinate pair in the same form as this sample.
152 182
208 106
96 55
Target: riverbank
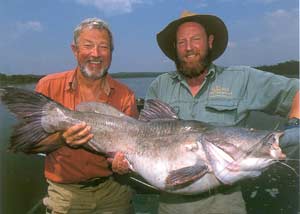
288 68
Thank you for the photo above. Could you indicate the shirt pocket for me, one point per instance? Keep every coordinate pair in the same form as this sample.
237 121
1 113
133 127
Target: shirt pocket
221 111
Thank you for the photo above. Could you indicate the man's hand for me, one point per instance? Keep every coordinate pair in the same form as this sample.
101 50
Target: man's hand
119 164
291 134
290 137
77 135
290 142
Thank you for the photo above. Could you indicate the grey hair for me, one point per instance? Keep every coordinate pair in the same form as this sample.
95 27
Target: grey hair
93 23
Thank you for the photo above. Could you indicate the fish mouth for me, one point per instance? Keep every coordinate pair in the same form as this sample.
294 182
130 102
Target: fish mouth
275 150
272 140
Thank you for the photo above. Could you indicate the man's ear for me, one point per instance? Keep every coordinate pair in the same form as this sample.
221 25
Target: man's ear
74 49
211 40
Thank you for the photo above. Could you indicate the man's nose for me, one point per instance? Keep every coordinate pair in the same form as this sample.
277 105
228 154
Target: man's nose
96 51
188 45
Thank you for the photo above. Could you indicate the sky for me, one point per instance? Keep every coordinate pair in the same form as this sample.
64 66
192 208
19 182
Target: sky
36 35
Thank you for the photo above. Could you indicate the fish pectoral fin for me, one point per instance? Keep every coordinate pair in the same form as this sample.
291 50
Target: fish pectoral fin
233 166
185 176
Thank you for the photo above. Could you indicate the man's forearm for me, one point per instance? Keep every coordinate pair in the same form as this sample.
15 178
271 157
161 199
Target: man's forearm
291 133
295 108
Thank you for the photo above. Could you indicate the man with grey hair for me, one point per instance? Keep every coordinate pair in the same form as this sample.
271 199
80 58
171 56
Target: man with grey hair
81 181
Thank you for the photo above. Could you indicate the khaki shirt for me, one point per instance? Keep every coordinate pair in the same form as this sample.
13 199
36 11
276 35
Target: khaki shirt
227 96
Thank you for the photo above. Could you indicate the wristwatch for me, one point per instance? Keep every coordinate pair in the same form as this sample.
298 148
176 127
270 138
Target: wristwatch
293 122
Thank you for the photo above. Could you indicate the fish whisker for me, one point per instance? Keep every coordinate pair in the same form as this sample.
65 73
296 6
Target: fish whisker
292 159
143 183
289 167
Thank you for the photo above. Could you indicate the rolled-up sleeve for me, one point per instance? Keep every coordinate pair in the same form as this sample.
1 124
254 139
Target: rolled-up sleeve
270 93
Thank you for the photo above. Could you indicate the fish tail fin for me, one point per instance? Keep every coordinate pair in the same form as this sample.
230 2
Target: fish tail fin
29 108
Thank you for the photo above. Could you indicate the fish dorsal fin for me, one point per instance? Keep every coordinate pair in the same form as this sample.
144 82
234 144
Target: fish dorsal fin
157 110
100 108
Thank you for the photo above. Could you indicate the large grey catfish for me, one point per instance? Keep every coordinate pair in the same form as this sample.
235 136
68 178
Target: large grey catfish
174 155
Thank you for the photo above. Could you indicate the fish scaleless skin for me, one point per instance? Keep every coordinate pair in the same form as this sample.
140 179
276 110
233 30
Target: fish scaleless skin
179 156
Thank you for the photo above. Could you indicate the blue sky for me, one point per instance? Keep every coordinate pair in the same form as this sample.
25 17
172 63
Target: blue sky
36 35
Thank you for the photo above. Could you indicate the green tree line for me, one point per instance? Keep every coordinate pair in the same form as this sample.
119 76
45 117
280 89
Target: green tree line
288 68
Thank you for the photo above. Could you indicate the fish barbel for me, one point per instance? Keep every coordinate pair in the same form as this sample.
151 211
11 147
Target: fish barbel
173 155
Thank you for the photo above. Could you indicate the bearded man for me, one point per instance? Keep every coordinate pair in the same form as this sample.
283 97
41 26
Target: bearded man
201 90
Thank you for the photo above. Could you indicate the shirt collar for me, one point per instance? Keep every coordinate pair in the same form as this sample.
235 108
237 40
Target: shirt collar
210 74
211 71
71 81
108 84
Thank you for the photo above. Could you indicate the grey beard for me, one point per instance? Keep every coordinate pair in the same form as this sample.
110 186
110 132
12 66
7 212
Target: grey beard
88 74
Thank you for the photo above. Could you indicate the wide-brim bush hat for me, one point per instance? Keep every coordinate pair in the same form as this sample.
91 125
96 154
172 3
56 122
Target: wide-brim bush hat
212 24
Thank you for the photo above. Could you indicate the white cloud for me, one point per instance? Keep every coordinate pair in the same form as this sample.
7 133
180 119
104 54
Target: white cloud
282 24
231 44
251 1
282 17
267 1
112 6
202 5
20 28
29 26
274 38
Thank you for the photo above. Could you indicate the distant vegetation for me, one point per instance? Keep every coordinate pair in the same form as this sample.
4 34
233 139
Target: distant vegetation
30 78
136 74
288 68
19 78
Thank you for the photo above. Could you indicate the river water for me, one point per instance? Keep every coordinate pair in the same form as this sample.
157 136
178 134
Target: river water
23 184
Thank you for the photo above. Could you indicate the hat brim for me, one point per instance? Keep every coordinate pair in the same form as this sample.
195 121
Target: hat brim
212 24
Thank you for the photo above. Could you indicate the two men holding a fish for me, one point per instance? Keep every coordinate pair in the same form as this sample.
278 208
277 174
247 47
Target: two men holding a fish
201 90
168 146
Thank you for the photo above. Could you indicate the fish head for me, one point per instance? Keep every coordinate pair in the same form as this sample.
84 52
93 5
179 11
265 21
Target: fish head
248 158
261 154
269 148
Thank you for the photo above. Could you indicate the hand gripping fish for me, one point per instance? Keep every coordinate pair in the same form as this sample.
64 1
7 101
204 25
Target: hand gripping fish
173 155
